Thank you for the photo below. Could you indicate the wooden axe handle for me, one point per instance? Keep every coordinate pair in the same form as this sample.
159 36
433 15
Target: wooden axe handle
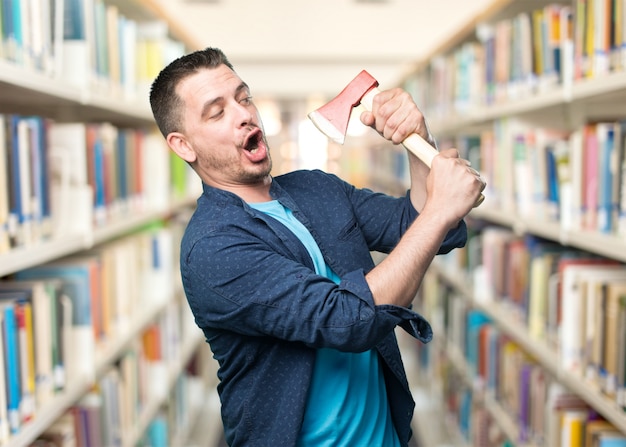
414 143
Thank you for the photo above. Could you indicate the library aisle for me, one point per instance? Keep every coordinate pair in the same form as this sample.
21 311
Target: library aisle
97 343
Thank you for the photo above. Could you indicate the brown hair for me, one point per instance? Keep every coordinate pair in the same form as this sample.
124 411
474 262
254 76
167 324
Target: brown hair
165 103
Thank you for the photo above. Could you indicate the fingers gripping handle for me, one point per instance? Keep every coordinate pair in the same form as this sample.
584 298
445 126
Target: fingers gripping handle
414 143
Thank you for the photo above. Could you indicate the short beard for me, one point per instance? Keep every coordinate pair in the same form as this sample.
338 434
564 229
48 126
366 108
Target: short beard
245 177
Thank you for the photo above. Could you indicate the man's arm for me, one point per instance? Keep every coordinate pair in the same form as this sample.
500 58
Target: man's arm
444 195
395 116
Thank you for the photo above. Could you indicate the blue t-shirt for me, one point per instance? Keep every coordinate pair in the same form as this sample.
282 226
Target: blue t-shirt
347 401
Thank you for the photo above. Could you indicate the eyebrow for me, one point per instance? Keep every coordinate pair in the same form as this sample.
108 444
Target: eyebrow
207 105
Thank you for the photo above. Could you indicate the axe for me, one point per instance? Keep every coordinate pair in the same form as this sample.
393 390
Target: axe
332 118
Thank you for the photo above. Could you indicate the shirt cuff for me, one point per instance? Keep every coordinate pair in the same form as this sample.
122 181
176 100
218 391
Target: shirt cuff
410 321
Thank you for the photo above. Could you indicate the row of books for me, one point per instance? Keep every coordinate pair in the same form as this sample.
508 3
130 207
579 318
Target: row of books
29 30
111 412
57 317
62 178
88 43
559 43
486 374
572 301
574 178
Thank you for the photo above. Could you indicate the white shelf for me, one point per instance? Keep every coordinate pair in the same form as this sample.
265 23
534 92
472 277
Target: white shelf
607 245
594 95
504 318
44 251
107 353
566 107
40 252
174 370
25 90
499 414
130 222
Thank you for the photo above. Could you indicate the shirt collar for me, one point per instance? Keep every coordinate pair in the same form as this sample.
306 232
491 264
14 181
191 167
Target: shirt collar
223 197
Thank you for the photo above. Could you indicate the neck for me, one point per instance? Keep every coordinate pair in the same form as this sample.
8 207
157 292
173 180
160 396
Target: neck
256 193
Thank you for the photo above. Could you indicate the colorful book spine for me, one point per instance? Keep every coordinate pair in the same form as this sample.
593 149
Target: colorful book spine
12 367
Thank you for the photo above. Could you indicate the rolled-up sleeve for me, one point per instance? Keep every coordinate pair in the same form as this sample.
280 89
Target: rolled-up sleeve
384 220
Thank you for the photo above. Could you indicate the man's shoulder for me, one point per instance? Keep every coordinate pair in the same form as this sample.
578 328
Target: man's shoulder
210 216
303 178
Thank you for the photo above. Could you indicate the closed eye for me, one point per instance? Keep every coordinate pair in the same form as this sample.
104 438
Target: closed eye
216 114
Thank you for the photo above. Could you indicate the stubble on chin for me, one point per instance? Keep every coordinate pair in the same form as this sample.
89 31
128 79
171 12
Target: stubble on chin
234 169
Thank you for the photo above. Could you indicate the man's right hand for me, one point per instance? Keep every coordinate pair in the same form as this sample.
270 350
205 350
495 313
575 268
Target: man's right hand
453 187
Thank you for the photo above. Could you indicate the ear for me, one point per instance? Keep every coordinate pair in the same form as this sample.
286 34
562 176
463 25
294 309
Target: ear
181 147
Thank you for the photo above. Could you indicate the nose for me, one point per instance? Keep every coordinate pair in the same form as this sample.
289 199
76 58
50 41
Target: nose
245 114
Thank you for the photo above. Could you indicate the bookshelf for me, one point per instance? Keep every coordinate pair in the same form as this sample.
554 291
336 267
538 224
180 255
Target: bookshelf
68 95
546 132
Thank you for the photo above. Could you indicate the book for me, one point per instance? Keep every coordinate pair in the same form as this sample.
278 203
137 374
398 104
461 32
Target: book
511 357
620 396
40 170
19 180
566 44
158 431
112 18
89 411
524 409
12 364
613 338
5 244
71 198
542 265
552 44
572 429
4 417
580 54
577 313
111 388
562 182
619 146
601 38
74 53
590 177
595 428
475 321
620 184
572 212
13 31
522 172
539 396
41 295
128 59
495 243
516 258
76 278
596 295
611 440
61 331
589 37
607 202
23 315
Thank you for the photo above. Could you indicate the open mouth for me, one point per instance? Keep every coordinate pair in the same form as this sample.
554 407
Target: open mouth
253 140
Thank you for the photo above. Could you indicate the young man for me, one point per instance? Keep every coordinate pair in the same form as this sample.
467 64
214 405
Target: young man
278 272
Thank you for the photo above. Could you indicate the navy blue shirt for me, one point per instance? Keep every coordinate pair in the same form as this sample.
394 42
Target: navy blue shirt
253 290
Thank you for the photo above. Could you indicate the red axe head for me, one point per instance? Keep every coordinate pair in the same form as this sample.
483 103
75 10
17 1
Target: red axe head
332 118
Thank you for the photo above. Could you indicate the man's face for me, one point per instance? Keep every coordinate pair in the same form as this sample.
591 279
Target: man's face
222 129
